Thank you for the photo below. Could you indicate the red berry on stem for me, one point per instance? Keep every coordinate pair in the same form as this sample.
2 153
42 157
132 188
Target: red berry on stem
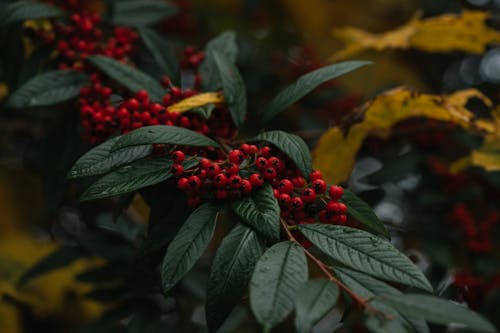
194 182
236 156
261 163
308 195
183 184
285 186
316 174
246 186
177 170
319 186
256 180
235 181
269 174
284 199
336 192
178 156
297 203
232 169
220 180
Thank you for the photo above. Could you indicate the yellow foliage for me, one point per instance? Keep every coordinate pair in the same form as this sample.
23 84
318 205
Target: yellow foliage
196 101
336 150
4 91
466 32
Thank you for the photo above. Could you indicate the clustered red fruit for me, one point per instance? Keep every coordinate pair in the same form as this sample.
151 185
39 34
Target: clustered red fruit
474 289
478 233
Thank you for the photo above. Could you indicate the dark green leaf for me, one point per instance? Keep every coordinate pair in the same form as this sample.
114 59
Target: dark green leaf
261 212
307 83
376 324
231 271
314 300
276 280
61 257
128 178
129 77
292 146
165 135
28 10
396 169
235 94
439 311
225 43
363 213
363 251
162 53
141 12
49 88
100 160
188 245
205 111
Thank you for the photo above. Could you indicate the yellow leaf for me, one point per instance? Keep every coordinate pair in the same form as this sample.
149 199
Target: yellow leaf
4 91
196 101
466 32
336 150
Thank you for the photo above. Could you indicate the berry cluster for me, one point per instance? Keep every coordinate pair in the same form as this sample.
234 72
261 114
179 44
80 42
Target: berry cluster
474 289
478 235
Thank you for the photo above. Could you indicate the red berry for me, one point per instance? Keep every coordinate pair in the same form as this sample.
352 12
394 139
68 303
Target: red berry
275 163
297 203
269 174
183 184
299 182
284 199
285 186
246 186
261 163
336 192
205 163
177 169
308 195
256 180
246 148
339 219
265 151
194 201
236 156
323 216
234 181
142 95
194 182
276 193
319 186
232 169
213 169
178 156
221 194
220 180
316 174
133 104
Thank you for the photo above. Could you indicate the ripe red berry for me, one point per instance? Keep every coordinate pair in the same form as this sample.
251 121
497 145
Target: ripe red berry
319 186
316 174
256 180
269 174
213 169
183 184
232 169
276 193
194 182
285 186
308 195
284 199
177 169
142 95
178 156
297 203
220 180
205 163
336 192
234 181
133 104
236 156
261 163
265 151
299 182
275 162
339 219
221 194
246 186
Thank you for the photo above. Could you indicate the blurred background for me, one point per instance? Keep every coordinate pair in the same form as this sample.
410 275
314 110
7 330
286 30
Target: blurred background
443 214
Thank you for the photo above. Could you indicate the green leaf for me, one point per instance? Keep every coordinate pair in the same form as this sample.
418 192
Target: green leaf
49 88
261 212
314 300
292 146
363 213
163 134
368 287
128 178
141 12
234 88
439 311
188 245
205 111
131 78
276 280
363 251
100 160
28 10
61 257
162 53
306 83
225 43
231 271
384 325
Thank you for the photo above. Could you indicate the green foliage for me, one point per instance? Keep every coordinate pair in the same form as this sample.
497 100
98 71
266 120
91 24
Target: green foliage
141 12
28 10
292 146
261 212
225 44
131 78
48 88
307 83
277 278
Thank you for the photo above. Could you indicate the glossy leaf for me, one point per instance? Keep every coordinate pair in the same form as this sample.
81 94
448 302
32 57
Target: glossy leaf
188 245
162 52
363 251
291 145
141 12
224 43
306 83
28 10
100 160
439 311
165 135
363 213
49 88
131 78
314 300
261 212
276 280
231 271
